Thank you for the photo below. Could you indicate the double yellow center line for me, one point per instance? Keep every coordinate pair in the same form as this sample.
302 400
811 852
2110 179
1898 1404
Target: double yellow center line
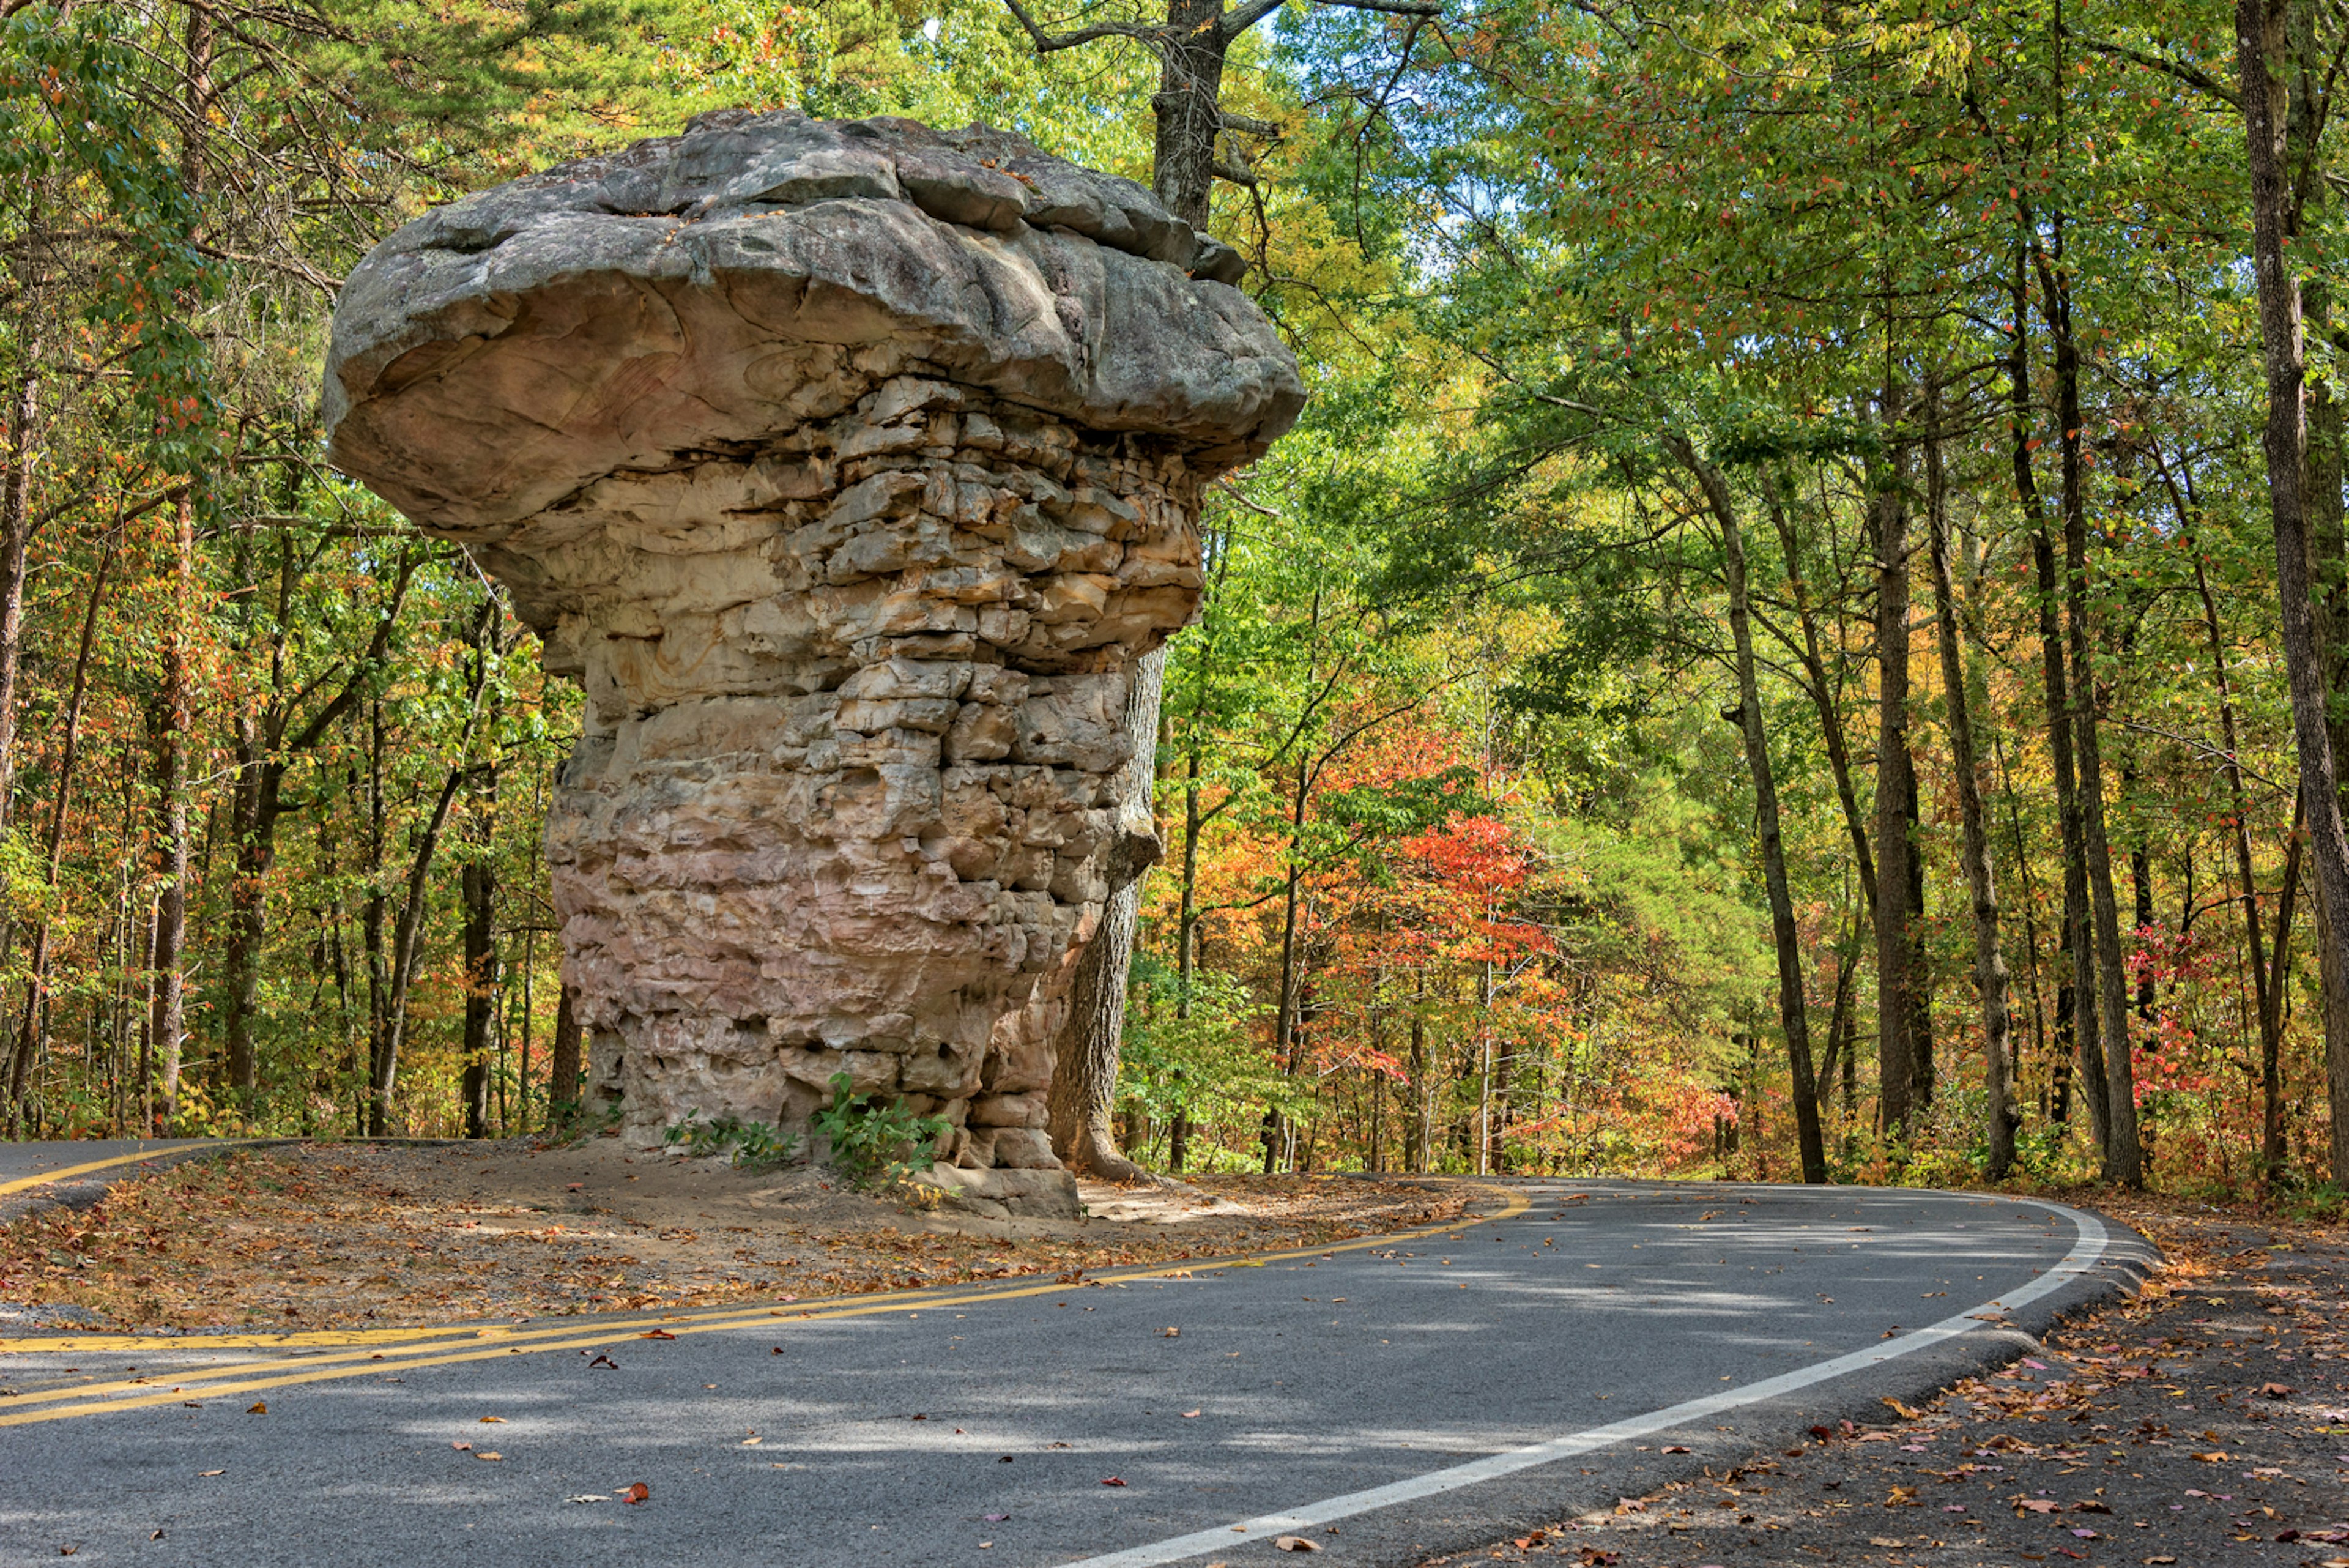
320 1356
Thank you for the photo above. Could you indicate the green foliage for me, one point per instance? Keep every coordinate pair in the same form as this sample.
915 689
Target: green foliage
751 1145
1208 1061
873 1142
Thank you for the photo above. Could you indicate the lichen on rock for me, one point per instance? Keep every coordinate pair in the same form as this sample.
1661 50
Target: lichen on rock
850 465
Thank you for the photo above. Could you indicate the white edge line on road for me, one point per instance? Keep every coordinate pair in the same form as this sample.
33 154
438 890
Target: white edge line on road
2083 1256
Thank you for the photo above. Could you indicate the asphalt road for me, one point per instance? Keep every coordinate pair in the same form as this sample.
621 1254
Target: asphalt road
1388 1399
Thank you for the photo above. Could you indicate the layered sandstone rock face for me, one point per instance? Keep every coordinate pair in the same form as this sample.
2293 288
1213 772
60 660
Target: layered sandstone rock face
849 466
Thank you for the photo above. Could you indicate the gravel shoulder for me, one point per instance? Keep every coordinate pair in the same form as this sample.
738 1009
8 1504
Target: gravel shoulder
325 1235
2203 1421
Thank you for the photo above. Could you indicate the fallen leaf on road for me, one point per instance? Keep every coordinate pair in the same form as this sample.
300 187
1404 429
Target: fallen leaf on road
490 1456
1592 1557
603 1361
462 1448
1170 1334
2087 1534
657 1333
2215 1457
1676 1448
212 1472
2037 1504
258 1407
1296 1543
1112 1481
2278 1390
637 1491
1885 1541
587 1496
2090 1505
996 1518
1189 1414
750 1442
494 1420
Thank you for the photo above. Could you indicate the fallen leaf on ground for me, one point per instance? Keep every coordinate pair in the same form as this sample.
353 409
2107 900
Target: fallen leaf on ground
996 1518
490 1456
637 1491
462 1448
1676 1448
494 1420
2278 1390
260 1407
1885 1541
1112 1481
1297 1543
1188 1414
212 1472
657 1333
587 1496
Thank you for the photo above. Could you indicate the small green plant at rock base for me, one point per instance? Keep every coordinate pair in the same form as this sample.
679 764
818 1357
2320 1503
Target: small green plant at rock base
752 1146
872 1143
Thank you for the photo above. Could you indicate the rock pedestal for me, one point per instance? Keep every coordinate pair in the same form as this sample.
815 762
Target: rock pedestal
849 466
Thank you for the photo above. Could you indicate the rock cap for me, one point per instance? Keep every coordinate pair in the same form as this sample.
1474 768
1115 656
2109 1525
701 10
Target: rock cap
696 295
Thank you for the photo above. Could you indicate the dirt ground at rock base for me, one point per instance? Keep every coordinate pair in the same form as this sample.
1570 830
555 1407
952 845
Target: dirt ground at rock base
327 1236
2203 1424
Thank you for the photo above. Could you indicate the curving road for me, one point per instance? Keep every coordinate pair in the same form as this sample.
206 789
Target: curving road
1390 1399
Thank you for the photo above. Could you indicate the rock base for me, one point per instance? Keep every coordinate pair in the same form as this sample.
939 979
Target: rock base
1007 1194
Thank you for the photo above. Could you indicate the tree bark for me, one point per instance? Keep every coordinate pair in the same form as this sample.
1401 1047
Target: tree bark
1793 1014
176 716
2075 1013
1895 949
2124 1158
1981 881
1084 1072
16 530
2265 71
1823 695
479 894
562 1069
2271 1040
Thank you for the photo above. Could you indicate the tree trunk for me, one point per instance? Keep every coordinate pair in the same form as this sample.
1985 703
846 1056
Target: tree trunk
1187 107
1823 695
2265 71
1981 882
16 530
2123 1158
372 924
1084 1072
35 1034
1895 948
1793 1015
2075 1014
479 894
177 719
562 1092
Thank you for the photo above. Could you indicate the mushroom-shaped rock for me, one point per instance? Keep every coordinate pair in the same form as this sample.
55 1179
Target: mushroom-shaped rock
851 465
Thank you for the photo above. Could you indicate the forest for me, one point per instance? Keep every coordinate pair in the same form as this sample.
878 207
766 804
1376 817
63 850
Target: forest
1804 633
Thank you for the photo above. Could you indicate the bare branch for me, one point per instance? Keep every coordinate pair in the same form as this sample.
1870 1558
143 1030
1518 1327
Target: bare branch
2192 76
1046 43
